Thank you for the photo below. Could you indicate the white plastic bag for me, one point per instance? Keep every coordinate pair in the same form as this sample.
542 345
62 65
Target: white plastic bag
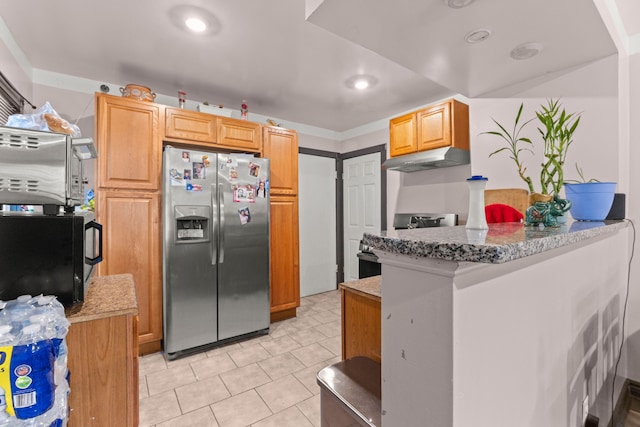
45 118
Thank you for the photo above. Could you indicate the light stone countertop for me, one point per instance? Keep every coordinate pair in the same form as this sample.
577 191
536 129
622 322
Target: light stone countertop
370 286
503 242
107 296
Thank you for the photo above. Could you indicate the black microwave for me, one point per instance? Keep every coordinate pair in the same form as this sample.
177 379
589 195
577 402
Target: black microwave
48 254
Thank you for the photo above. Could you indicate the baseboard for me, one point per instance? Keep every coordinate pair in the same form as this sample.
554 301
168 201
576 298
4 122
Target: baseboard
282 315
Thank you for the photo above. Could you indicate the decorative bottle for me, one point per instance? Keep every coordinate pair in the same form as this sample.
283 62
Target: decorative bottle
477 219
182 96
244 110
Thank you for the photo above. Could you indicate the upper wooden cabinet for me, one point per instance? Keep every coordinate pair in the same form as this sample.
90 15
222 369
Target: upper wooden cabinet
129 148
234 133
191 125
280 146
442 125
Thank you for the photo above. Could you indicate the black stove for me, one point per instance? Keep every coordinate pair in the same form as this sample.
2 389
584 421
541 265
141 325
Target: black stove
368 264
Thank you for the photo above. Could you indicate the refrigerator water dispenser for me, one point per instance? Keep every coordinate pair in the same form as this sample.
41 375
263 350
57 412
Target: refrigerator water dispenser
192 224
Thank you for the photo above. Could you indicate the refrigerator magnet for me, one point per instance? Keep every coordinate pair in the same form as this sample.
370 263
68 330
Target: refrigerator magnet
176 177
233 173
187 175
199 171
186 157
262 188
254 169
243 193
245 215
206 161
193 187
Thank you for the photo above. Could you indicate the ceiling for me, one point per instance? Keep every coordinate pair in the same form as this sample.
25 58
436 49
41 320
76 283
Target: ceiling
289 67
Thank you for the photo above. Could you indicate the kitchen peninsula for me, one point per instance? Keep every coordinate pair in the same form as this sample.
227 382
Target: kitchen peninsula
512 326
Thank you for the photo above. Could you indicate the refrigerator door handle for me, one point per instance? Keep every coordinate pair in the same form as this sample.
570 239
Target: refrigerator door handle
213 240
222 215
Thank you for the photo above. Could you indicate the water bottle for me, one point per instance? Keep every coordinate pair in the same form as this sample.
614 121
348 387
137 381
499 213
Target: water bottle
477 219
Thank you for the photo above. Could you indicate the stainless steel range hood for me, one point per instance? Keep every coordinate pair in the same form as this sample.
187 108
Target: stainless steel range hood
430 159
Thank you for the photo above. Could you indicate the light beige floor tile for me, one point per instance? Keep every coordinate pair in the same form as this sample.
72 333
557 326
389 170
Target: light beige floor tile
224 349
241 410
158 408
308 376
311 409
249 355
254 341
325 316
213 365
333 344
312 354
151 363
282 330
168 379
186 360
281 365
303 323
290 417
202 417
280 345
143 391
331 329
308 336
201 393
242 379
283 393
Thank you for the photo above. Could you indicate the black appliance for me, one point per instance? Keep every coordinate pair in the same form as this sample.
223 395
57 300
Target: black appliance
368 264
48 254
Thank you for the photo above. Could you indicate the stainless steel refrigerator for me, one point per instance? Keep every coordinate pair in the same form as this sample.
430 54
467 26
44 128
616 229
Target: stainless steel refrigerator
215 248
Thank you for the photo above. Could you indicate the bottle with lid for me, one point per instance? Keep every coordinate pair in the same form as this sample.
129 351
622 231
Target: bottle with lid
477 219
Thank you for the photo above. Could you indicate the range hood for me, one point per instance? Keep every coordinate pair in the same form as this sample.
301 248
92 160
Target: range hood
430 159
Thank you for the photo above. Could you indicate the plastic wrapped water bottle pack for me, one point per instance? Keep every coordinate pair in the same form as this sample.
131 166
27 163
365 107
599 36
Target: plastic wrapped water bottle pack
34 380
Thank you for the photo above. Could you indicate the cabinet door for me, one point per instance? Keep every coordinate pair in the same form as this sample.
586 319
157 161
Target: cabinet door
434 127
191 125
285 265
280 146
402 135
103 361
129 145
361 326
131 228
239 134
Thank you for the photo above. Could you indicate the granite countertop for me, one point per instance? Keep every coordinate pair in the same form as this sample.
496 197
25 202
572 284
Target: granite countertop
107 296
370 286
501 243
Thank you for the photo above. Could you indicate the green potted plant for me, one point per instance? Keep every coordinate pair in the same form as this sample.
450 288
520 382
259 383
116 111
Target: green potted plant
591 200
556 129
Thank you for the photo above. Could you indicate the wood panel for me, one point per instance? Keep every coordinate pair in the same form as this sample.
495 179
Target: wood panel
190 125
285 264
129 146
402 135
103 364
434 127
132 245
280 146
239 134
361 325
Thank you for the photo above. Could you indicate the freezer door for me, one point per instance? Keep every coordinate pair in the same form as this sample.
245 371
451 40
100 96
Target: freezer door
189 249
243 271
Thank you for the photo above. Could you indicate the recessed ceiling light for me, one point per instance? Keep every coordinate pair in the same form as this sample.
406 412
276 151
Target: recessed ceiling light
458 4
361 82
196 25
526 51
477 36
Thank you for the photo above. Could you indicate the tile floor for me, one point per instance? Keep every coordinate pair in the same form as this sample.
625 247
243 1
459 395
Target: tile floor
269 381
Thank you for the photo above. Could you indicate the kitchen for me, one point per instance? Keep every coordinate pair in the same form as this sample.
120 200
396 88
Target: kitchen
605 90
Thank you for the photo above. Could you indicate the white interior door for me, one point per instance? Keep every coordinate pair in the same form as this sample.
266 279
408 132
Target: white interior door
361 180
317 206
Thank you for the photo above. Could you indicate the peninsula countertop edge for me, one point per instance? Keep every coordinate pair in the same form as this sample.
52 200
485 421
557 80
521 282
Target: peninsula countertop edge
501 243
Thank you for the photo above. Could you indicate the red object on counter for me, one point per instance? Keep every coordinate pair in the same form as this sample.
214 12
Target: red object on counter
498 212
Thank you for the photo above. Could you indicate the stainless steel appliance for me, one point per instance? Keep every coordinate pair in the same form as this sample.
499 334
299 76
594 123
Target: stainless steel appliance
215 248
48 254
42 168
368 264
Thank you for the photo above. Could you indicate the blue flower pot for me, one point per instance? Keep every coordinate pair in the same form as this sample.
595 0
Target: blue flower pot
591 201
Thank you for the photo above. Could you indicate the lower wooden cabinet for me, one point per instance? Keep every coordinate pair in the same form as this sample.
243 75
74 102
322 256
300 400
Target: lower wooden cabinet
285 260
361 325
103 366
132 244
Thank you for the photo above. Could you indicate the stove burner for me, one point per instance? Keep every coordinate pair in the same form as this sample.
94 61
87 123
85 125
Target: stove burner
424 222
